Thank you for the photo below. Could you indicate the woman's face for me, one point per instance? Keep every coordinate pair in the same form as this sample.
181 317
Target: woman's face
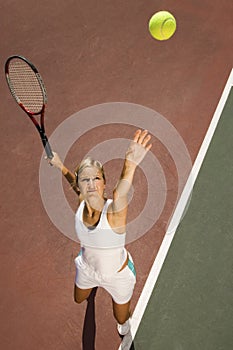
91 183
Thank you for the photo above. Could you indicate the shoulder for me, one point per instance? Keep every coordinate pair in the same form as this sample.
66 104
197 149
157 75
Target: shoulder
80 207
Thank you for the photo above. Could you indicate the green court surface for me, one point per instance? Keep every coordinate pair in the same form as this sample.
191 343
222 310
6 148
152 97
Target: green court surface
191 306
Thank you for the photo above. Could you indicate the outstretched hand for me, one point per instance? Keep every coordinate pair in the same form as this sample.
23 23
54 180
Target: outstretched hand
138 147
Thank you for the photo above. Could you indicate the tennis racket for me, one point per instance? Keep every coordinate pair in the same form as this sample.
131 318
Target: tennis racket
27 88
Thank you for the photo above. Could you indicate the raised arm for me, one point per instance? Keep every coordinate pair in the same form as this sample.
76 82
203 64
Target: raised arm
70 177
136 152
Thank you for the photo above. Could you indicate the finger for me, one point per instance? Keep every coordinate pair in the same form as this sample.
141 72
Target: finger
146 140
137 135
142 136
148 147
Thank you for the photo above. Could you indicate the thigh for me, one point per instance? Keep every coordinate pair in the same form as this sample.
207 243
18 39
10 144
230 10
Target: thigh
81 294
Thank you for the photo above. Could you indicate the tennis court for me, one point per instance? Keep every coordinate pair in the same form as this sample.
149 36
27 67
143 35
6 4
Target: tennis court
191 305
98 60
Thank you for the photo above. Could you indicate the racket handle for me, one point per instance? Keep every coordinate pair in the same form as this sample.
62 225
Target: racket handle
47 146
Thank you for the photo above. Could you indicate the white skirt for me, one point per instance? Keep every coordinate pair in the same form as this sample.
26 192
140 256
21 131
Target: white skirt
119 285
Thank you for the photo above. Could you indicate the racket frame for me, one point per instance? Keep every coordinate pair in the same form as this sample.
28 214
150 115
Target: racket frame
40 127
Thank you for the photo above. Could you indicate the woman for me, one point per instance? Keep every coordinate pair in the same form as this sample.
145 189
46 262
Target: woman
101 228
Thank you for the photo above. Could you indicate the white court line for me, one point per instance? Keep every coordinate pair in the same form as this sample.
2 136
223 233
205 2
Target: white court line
162 253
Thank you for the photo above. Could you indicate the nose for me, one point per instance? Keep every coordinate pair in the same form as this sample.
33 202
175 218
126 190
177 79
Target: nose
91 183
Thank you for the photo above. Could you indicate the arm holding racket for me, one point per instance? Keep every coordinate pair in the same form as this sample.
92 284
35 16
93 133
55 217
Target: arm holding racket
28 89
70 177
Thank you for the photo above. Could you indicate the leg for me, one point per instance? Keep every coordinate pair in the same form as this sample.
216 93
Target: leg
121 312
81 294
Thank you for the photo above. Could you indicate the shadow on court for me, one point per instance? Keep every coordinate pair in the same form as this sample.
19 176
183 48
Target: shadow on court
89 326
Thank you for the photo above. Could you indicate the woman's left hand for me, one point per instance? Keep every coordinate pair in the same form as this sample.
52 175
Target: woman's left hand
138 147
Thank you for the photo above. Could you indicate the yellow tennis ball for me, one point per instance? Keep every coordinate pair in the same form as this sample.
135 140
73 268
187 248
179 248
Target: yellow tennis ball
162 25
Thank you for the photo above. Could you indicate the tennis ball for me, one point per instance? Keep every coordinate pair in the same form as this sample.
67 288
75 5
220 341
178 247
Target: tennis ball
162 25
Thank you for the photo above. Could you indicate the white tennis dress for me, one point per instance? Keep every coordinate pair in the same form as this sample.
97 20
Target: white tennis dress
102 255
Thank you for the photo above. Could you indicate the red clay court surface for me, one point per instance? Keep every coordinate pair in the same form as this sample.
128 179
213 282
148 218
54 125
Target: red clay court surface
91 53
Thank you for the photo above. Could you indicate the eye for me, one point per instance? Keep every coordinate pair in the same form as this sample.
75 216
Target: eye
85 180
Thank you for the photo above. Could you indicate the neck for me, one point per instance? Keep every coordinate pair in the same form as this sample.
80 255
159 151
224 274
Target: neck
94 208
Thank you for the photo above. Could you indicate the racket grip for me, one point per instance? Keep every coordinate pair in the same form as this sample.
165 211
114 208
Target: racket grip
47 146
48 151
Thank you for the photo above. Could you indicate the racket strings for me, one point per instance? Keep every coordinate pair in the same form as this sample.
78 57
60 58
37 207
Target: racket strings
26 86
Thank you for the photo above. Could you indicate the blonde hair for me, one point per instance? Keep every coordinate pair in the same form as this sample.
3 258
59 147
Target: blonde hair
88 162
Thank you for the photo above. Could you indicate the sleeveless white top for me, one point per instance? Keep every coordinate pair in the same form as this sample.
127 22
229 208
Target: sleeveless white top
102 248
102 236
